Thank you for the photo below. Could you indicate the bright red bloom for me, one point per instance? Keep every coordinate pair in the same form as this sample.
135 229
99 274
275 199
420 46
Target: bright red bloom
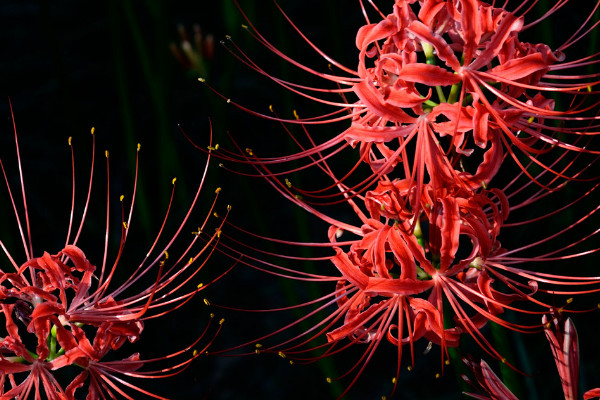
62 312
442 82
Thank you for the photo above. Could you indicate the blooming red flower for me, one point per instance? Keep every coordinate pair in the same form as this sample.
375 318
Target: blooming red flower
63 312
442 82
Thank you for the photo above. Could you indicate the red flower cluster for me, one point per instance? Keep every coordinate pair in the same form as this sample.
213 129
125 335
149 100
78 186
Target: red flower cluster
64 317
440 83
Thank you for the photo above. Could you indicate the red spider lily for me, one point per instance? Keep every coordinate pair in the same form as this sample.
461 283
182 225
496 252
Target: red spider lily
436 276
441 82
63 313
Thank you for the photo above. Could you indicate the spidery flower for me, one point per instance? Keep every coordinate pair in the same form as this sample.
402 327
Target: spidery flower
66 315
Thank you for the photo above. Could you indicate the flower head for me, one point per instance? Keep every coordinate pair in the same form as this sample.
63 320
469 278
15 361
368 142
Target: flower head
445 91
66 315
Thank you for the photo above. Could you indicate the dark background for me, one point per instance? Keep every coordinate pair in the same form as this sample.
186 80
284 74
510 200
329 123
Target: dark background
70 65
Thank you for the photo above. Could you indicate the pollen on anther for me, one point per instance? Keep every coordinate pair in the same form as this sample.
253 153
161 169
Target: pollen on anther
437 376
92 130
249 151
394 380
271 107
70 138
121 198
281 354
201 80
200 285
296 115
173 181
244 26
328 379
191 260
218 190
409 368
106 153
447 362
139 146
195 353
228 207
228 101
288 183
207 302
569 300
221 321
212 315
124 224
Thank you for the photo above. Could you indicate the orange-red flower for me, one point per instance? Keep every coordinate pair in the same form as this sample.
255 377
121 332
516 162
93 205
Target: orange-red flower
444 84
64 312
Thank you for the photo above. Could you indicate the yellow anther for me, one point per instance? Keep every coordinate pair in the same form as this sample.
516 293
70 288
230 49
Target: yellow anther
216 215
121 198
447 362
218 190
271 107
201 80
139 146
244 26
409 368
212 315
569 300
258 346
207 302
288 183
200 285
220 165
249 151
291 362
228 207
92 130
328 379
221 321
70 138
547 325
484 185
394 380
281 354
437 376
228 101
166 255
503 361
124 224
173 181
296 115
227 37
106 153
218 233
383 398
191 260
161 263
257 351
195 353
